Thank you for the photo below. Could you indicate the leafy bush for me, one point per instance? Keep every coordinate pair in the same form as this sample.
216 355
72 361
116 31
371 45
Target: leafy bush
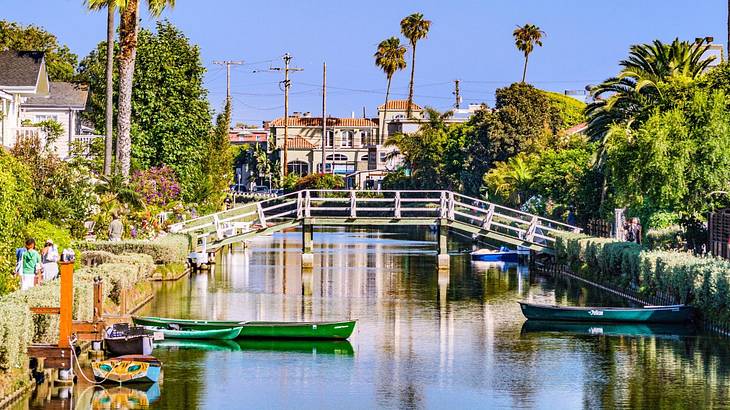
671 237
168 249
15 334
701 281
570 110
320 181
16 207
41 230
144 263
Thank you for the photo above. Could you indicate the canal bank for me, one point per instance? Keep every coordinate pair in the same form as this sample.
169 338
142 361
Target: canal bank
424 339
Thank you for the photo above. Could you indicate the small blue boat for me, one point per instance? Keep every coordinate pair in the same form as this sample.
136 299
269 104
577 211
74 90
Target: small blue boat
502 255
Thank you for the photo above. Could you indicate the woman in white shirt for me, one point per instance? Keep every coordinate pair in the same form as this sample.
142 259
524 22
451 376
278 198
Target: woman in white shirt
49 258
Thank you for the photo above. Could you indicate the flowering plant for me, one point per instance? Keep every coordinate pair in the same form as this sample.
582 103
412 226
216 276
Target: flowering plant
156 186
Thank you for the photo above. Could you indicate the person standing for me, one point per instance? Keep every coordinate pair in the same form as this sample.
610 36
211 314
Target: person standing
633 231
49 258
116 229
31 265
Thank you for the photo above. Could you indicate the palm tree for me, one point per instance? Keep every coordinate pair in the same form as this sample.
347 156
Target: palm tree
128 27
414 28
525 39
390 58
111 6
632 94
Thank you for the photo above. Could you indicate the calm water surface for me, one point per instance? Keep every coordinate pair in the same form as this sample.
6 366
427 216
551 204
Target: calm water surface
424 339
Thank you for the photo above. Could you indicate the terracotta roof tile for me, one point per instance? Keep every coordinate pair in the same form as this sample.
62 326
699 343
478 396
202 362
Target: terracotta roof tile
400 105
300 143
317 122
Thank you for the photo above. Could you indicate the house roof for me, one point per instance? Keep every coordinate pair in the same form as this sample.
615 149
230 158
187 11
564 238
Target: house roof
62 95
300 143
20 68
317 122
578 128
401 105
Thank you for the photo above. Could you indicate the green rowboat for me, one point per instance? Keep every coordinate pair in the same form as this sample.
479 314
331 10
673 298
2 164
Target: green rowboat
265 330
646 314
186 323
188 333
298 330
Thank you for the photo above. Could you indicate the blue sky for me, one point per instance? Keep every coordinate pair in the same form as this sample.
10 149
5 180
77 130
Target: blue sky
469 39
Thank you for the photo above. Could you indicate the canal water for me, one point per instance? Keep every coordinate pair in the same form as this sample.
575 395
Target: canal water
424 338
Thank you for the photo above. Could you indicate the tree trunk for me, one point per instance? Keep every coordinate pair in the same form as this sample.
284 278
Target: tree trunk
109 128
385 111
127 55
409 112
524 69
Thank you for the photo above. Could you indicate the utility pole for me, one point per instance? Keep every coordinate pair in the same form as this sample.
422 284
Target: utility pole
457 104
287 59
324 116
228 64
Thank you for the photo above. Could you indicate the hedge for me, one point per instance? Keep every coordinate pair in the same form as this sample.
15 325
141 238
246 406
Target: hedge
143 262
700 281
15 334
168 249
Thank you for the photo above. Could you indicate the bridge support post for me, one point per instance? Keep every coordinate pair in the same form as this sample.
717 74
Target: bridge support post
307 238
443 237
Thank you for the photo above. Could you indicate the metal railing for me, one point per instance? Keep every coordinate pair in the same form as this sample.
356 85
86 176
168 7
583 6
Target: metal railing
431 206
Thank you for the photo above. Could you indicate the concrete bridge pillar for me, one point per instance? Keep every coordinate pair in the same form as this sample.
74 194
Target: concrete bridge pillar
307 238
443 242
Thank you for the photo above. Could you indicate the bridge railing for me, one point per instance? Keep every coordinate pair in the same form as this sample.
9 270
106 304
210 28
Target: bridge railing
478 214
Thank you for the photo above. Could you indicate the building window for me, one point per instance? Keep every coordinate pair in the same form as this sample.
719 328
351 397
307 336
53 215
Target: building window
347 138
39 118
330 140
365 157
336 157
300 168
365 138
399 117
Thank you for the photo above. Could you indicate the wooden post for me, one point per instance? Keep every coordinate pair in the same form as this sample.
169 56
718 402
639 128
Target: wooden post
397 205
307 204
98 300
67 300
353 204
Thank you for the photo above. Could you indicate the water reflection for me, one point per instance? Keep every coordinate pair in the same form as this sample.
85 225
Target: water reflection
425 338
125 397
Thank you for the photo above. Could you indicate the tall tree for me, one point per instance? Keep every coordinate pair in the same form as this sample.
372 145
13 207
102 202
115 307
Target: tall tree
219 168
526 37
172 119
111 7
414 28
390 58
632 94
128 28
60 61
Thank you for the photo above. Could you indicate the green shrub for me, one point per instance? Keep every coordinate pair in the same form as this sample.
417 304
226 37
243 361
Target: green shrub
320 181
115 276
700 281
671 237
168 249
40 230
15 334
45 327
143 262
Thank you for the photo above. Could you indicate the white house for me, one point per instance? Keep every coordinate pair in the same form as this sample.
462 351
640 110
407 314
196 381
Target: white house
28 97
22 75
63 104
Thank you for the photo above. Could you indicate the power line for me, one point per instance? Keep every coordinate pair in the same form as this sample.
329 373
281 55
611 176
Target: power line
228 64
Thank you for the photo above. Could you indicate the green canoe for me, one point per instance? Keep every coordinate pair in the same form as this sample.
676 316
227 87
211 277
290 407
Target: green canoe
334 347
646 314
188 333
269 330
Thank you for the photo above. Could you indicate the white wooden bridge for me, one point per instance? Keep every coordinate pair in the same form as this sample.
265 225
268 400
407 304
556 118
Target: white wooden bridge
444 210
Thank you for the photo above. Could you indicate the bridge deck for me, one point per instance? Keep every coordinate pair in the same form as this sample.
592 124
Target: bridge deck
374 208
